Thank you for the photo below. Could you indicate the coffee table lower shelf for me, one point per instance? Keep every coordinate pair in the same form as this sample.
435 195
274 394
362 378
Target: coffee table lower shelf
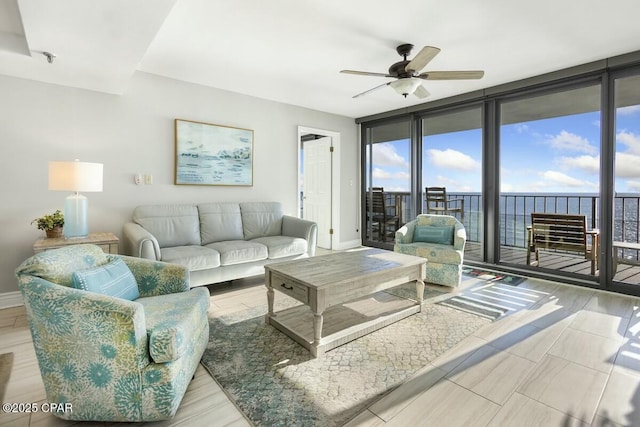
345 322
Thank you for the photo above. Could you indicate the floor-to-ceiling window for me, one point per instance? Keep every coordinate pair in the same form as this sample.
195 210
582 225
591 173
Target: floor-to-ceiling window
549 163
567 144
626 221
452 159
387 181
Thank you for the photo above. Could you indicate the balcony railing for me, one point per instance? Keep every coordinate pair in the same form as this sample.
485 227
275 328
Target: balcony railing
516 208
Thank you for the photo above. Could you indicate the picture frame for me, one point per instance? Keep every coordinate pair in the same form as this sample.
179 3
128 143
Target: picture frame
209 154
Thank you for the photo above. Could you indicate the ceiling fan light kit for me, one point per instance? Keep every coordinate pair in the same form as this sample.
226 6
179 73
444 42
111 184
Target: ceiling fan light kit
407 72
406 86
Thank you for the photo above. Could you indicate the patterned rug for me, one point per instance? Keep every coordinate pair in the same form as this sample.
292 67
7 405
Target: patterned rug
276 382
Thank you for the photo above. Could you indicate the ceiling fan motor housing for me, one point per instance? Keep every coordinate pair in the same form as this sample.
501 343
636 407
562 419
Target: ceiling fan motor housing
398 69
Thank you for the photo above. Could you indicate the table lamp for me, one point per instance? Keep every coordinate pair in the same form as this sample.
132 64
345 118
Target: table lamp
75 176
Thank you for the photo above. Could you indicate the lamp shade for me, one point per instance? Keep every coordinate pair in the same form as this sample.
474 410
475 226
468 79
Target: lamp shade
75 176
406 86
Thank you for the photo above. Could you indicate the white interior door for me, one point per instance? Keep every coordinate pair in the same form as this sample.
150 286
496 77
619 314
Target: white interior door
316 202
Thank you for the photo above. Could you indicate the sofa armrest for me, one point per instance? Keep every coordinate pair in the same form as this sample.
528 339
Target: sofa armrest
405 233
302 228
140 243
157 277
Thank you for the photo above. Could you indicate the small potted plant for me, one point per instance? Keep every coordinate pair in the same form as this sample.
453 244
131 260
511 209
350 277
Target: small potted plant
52 224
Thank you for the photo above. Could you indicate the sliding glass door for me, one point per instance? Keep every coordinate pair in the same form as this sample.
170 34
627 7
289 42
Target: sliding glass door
550 164
626 204
387 200
452 159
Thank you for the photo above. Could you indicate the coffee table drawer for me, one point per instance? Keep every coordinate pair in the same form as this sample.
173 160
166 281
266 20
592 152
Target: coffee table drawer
294 290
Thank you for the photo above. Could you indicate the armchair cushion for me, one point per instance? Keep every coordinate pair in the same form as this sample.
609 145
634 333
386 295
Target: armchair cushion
442 234
113 279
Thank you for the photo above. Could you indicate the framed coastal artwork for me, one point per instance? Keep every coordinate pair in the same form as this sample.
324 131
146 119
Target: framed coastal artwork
208 154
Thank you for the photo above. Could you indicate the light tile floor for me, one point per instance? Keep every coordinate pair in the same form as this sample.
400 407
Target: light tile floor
570 358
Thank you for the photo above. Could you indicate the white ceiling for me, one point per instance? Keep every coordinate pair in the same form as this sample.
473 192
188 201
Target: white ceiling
291 51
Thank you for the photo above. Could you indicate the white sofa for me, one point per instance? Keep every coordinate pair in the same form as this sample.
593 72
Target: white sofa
219 241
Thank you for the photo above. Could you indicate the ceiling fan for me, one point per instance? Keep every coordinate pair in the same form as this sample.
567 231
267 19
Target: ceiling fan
407 72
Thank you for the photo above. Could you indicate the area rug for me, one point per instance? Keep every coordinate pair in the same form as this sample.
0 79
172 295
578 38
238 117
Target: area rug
6 362
493 276
276 382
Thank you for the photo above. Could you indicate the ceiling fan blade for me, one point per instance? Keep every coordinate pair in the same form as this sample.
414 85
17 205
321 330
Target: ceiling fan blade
421 92
365 73
452 75
371 90
422 59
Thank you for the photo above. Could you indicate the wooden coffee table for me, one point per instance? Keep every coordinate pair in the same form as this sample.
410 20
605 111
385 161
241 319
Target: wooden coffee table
343 291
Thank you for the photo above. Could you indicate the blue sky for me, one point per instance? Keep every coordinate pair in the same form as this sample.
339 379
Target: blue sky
557 155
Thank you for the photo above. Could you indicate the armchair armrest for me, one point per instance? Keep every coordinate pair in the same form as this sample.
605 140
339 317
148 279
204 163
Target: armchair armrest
459 237
157 277
61 313
86 341
140 243
405 233
304 229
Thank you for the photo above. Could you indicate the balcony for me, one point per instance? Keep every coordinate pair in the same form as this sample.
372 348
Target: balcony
515 216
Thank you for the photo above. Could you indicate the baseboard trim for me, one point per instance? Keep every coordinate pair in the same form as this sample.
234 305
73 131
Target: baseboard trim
348 245
11 299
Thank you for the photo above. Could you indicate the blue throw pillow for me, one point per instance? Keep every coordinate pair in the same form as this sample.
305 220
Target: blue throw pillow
113 279
433 234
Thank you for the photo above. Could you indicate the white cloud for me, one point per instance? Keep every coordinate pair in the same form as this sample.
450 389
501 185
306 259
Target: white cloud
631 140
378 173
571 142
633 186
455 185
558 178
385 155
589 164
505 187
452 159
627 165
521 128
628 111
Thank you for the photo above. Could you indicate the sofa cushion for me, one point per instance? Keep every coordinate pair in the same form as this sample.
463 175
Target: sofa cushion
113 279
442 234
171 319
261 219
193 257
283 246
220 222
58 265
171 225
239 251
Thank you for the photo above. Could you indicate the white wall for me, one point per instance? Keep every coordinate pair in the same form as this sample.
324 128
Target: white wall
134 133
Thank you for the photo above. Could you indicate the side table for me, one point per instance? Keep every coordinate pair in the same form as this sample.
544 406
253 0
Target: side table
108 242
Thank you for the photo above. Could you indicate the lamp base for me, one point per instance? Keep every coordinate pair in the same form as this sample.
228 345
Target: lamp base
75 216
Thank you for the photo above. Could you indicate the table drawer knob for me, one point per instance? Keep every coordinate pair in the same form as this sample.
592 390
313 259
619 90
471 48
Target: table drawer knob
289 288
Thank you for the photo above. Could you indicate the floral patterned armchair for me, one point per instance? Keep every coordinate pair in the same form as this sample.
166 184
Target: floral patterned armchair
113 359
438 238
